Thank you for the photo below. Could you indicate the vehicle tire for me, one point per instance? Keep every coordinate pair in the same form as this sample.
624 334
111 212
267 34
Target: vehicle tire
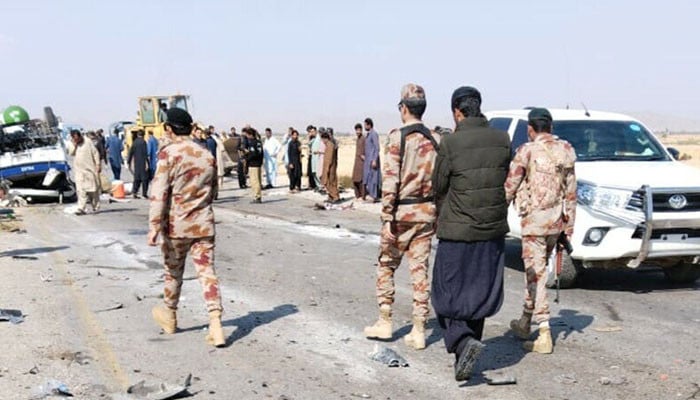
683 272
570 271
50 117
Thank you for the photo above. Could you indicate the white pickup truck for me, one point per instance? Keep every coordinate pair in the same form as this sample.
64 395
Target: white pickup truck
636 205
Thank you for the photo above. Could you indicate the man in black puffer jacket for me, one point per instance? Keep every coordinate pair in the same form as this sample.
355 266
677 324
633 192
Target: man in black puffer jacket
470 171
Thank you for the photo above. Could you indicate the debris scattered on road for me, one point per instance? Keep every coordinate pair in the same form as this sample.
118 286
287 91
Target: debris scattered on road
52 387
497 378
113 200
361 395
618 380
606 329
115 306
388 357
46 278
34 370
568 379
14 316
159 391
25 257
334 207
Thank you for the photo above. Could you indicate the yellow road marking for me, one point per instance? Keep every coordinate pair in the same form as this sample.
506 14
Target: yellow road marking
94 334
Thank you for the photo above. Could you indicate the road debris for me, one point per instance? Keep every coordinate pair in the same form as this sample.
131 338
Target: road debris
568 379
52 387
334 207
25 257
388 357
497 378
14 316
618 380
34 370
115 306
606 329
46 278
159 391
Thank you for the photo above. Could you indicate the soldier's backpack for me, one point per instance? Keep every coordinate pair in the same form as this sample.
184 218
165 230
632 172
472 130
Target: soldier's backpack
406 131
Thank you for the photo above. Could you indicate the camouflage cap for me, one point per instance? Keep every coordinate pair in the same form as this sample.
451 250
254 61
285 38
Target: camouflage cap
539 114
411 91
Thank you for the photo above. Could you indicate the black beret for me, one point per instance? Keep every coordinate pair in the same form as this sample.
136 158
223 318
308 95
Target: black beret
464 93
179 118
539 114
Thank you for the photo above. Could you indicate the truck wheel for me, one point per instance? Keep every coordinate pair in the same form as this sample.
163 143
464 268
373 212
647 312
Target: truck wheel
683 272
570 271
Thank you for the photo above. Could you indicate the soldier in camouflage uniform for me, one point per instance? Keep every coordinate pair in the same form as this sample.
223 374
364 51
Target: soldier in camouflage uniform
542 182
408 215
182 191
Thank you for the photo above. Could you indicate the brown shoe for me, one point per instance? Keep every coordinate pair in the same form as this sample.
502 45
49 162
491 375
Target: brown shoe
166 318
416 338
215 337
382 329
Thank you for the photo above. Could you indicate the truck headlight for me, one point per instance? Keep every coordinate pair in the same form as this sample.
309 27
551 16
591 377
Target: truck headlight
602 197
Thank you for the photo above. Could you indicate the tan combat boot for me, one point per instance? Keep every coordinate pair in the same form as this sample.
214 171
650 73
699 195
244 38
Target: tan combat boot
165 318
381 329
416 338
215 337
521 327
543 344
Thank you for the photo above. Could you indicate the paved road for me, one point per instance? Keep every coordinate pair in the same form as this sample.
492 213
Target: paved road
298 289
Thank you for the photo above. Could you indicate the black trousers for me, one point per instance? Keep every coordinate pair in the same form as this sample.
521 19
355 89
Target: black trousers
140 179
295 177
454 330
310 174
240 171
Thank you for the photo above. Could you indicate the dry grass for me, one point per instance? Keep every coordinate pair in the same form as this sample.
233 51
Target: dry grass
687 144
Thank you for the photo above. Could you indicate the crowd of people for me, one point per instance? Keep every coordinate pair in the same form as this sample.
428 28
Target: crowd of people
455 186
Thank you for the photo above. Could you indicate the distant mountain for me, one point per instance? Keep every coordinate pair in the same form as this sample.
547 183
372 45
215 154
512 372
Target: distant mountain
667 123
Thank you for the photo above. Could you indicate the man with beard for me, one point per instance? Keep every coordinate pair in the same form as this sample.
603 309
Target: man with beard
468 179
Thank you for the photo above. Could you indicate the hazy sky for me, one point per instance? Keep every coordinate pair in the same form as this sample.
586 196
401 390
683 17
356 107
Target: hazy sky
281 63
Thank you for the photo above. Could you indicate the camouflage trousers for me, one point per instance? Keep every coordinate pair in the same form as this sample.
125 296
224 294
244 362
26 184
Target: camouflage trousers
536 251
414 240
202 252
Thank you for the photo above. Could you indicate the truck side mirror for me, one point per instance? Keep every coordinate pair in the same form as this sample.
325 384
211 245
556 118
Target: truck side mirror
674 152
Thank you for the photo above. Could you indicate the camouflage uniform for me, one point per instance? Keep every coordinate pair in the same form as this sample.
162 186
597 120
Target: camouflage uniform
542 182
181 210
413 222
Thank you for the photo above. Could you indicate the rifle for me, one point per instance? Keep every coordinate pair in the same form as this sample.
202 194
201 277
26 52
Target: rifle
562 244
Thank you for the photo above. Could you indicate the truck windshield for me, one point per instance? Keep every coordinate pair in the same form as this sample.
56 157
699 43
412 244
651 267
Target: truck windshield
610 140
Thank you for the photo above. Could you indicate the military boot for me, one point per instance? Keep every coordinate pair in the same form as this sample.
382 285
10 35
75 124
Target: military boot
215 337
381 329
543 344
165 317
521 327
416 338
